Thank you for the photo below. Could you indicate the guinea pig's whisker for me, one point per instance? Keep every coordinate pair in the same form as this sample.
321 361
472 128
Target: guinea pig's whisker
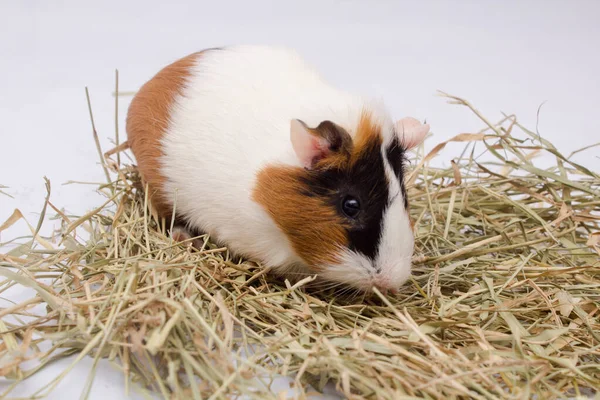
321 285
357 294
327 285
347 290
322 291
339 291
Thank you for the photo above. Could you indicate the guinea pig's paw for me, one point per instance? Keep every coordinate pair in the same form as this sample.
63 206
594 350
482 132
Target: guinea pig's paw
181 234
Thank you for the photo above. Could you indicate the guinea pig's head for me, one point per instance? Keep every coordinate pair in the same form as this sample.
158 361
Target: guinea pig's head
345 209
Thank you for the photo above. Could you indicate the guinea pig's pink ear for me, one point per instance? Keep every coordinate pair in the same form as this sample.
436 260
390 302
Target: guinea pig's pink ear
313 144
411 132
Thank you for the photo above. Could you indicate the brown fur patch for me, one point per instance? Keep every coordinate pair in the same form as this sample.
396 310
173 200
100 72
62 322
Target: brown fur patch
314 227
368 135
148 119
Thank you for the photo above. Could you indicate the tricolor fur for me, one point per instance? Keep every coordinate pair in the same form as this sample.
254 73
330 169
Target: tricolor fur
259 152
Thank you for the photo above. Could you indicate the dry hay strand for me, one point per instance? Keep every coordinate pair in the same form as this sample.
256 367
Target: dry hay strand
503 303
4 193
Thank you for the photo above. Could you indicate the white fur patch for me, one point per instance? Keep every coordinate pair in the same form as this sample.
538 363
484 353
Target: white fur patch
354 270
397 240
396 247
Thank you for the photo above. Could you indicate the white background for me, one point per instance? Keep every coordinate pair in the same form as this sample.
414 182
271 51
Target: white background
506 56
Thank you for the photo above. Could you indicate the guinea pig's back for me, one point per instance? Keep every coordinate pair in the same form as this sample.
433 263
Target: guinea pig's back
234 111
233 117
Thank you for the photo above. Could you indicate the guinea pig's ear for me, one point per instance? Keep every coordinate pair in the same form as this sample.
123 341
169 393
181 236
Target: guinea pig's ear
411 132
313 144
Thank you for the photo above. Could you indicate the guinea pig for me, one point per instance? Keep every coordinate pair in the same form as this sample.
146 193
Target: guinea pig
250 145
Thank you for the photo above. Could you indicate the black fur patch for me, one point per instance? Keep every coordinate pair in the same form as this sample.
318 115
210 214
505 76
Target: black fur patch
365 180
396 156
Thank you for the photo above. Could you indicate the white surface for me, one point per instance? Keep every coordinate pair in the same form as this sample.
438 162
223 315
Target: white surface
510 58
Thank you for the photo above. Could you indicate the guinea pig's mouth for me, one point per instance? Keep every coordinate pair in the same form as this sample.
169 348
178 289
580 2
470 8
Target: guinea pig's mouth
374 286
356 272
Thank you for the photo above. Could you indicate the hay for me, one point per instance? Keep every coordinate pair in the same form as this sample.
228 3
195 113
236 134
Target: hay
4 193
504 301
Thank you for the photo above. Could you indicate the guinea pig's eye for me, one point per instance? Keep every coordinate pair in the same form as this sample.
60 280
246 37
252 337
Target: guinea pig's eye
350 206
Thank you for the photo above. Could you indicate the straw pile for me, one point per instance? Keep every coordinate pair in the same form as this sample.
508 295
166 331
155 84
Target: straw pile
504 301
